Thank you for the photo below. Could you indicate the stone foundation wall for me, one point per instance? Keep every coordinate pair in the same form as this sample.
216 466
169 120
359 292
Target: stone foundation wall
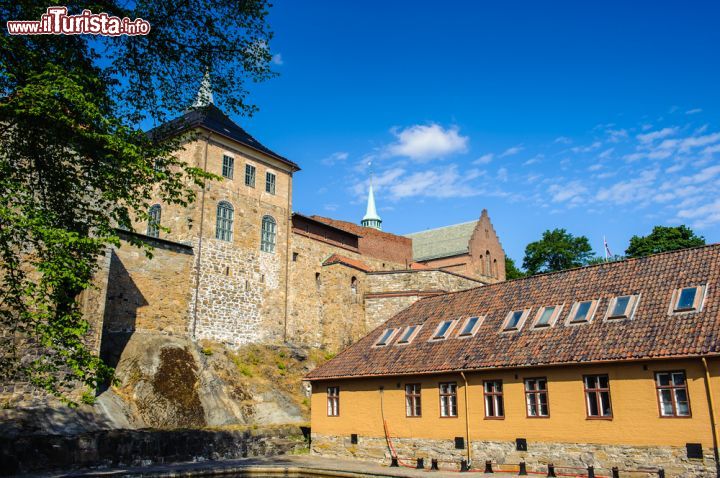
503 455
25 454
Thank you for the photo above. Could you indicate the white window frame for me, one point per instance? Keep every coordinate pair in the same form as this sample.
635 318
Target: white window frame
473 331
629 310
389 339
269 183
411 337
521 322
574 310
333 401
700 292
448 399
250 168
435 338
268 235
230 166
553 318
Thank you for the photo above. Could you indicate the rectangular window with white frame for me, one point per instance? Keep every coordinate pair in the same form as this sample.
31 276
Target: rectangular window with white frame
582 312
408 334
448 399
536 397
597 396
622 307
547 316
470 326
333 401
386 337
515 320
270 183
672 394
688 299
228 166
443 330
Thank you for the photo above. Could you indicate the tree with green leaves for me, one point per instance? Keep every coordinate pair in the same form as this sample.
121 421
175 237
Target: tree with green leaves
511 270
663 239
74 164
557 250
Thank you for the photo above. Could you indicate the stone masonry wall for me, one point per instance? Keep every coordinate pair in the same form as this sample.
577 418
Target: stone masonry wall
379 309
505 457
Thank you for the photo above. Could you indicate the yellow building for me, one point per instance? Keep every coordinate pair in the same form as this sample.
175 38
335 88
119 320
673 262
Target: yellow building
611 365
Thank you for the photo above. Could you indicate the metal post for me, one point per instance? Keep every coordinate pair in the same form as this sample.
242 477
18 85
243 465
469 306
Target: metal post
488 466
551 470
661 473
523 469
615 472
434 465
394 462
420 464
591 471
464 465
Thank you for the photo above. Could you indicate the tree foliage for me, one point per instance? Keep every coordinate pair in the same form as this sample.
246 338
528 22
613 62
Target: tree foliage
557 250
74 163
511 270
663 239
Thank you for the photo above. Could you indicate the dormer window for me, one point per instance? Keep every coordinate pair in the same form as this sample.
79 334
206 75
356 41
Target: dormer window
471 325
688 299
547 315
622 307
582 312
386 337
408 334
515 319
443 330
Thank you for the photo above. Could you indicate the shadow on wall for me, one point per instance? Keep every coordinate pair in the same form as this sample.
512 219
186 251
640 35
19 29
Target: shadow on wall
123 300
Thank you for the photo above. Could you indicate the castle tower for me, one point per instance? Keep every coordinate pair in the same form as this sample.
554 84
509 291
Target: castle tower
371 218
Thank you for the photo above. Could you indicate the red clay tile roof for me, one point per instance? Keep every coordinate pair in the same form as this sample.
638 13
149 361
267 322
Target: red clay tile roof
338 259
651 333
362 231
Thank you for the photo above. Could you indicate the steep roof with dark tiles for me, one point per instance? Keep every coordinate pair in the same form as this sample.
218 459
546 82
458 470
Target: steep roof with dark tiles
652 333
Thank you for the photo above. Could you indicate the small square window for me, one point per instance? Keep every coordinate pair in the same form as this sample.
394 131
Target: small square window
443 330
471 325
515 319
688 299
546 316
622 307
386 337
408 334
250 175
270 183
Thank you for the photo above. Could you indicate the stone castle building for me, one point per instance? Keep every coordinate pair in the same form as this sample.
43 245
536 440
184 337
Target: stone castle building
238 266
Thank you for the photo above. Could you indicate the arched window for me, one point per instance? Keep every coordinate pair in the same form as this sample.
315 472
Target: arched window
268 234
488 270
353 284
153 227
317 279
495 268
224 223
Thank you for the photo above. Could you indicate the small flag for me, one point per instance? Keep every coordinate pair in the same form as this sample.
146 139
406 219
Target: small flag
607 249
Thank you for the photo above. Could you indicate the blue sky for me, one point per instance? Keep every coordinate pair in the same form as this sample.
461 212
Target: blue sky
600 118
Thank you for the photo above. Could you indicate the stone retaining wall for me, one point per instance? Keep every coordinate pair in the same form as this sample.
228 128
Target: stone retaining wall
603 457
106 448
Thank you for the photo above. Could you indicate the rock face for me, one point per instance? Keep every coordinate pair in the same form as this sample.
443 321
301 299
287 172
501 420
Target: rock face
169 382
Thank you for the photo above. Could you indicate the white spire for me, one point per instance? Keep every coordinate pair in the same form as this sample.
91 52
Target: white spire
204 94
371 218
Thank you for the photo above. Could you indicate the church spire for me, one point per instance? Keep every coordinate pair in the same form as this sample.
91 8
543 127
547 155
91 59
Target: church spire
204 94
371 218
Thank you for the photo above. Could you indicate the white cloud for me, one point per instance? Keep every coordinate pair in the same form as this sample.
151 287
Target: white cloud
502 174
697 141
535 159
571 192
655 135
484 159
617 135
562 140
703 216
702 176
442 183
586 149
637 190
426 142
711 149
337 157
606 154
511 151
693 111
277 59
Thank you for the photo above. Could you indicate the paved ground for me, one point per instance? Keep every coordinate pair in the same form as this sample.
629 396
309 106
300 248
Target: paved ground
278 466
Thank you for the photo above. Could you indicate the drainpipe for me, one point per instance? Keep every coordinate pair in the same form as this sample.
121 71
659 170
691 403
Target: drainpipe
711 402
467 421
288 233
200 241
